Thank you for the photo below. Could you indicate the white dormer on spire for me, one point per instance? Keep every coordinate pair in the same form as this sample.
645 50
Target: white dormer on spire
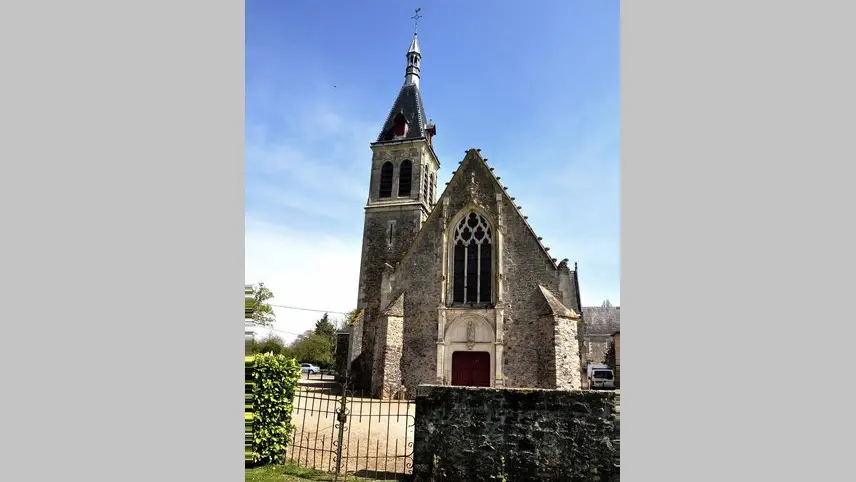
414 59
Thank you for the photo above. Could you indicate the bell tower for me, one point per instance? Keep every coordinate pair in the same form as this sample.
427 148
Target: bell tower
402 192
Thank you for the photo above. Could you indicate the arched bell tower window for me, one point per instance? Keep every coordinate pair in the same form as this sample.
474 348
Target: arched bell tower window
431 185
472 260
425 183
386 180
405 172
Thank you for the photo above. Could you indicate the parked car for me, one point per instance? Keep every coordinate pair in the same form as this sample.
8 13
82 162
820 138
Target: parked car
309 368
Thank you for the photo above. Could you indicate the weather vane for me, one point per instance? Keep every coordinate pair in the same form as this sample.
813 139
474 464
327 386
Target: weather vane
416 18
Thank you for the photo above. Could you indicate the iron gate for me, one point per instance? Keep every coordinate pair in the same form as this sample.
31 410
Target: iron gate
345 432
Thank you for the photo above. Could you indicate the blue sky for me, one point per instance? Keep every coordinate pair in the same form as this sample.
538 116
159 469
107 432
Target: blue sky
536 89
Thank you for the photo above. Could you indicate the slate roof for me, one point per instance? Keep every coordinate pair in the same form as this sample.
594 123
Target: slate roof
408 103
602 320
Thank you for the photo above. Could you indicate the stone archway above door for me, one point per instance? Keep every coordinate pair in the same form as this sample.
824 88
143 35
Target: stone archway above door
470 331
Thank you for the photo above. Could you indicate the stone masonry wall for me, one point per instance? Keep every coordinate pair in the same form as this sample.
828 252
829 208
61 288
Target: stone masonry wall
547 356
515 435
386 378
376 252
568 362
559 360
422 283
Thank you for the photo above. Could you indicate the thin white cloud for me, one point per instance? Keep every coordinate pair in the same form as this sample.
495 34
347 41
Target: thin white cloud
327 208
302 269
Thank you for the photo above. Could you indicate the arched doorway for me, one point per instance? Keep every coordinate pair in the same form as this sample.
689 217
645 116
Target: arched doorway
471 368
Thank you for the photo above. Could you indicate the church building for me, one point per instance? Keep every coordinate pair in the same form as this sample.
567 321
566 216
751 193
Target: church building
455 289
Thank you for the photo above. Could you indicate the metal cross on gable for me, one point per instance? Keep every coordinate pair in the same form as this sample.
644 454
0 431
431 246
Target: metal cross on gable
416 18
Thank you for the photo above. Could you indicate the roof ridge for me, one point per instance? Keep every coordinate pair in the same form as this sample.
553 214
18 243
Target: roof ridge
420 110
420 233
519 211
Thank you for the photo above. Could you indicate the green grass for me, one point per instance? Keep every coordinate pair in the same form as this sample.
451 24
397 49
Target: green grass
291 473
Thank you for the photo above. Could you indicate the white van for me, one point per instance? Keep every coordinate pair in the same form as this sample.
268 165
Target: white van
601 377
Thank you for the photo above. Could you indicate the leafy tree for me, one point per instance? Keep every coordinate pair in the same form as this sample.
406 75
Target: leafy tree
263 314
315 348
326 328
345 324
271 344
610 355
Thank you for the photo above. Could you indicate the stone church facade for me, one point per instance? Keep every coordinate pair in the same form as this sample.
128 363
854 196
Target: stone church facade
456 289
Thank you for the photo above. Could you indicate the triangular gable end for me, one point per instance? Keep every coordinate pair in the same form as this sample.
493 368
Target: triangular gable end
473 160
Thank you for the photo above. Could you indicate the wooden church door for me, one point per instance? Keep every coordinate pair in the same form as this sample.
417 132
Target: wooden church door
471 368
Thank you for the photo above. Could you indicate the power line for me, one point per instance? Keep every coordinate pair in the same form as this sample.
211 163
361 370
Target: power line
309 309
278 331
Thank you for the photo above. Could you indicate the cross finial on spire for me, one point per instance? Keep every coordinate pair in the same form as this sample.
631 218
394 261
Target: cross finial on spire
416 18
413 54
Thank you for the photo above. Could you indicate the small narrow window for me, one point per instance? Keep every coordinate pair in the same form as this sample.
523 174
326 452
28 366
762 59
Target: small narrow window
386 180
390 234
425 183
405 172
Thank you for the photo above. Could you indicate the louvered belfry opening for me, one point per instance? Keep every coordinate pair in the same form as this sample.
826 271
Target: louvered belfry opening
405 172
386 180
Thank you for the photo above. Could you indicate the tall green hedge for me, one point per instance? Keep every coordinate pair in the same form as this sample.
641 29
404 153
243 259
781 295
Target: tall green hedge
271 381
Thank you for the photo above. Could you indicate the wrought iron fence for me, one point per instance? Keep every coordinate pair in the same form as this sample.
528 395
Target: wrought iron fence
345 432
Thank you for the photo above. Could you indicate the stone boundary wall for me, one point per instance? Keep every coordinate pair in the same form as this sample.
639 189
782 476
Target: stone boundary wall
515 435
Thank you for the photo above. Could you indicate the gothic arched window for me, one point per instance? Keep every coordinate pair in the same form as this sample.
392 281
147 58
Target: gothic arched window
385 180
431 189
405 171
473 262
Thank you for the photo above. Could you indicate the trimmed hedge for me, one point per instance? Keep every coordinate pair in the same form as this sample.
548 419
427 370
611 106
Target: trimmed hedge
270 384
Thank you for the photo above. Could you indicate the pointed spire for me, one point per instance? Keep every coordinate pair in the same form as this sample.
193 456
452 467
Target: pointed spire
406 119
414 56
414 46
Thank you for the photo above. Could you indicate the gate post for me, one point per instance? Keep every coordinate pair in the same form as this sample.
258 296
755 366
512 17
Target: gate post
342 419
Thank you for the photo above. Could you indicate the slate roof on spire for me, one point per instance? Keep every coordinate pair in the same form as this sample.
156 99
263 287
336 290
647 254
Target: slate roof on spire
409 104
